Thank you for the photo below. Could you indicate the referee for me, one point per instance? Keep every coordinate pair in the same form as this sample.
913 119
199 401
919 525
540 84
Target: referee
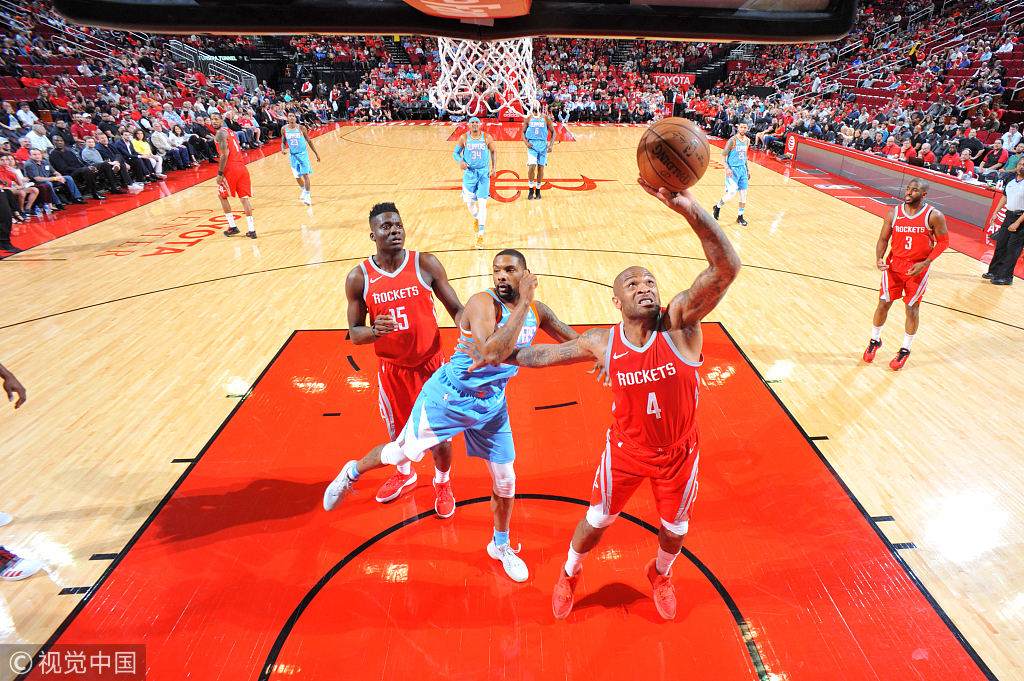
1010 237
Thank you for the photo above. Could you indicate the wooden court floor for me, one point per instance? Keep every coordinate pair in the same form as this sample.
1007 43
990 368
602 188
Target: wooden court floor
136 338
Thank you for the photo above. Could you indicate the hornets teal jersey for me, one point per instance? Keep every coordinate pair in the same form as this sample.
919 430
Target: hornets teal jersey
476 153
488 377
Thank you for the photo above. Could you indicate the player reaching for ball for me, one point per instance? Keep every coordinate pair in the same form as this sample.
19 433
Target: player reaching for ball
396 288
232 176
478 157
734 156
296 143
918 235
651 357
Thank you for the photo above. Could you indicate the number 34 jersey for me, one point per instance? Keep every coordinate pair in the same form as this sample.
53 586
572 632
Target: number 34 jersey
654 390
405 296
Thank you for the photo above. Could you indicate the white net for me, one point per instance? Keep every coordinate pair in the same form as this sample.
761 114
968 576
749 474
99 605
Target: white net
477 78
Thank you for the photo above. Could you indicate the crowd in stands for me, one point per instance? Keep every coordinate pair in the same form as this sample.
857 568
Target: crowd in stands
908 83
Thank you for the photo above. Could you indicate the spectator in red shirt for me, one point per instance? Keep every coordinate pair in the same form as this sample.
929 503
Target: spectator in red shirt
966 163
927 155
891 150
906 151
82 128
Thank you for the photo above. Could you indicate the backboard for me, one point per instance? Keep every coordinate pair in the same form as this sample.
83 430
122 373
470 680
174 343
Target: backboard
703 20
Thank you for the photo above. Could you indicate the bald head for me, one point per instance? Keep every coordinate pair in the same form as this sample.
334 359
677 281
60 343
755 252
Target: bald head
629 273
636 294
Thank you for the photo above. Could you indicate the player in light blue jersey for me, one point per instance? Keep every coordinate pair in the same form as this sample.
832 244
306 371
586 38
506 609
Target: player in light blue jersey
456 400
296 143
734 156
539 135
478 158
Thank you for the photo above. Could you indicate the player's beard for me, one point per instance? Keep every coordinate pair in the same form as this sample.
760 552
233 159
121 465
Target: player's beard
642 314
508 295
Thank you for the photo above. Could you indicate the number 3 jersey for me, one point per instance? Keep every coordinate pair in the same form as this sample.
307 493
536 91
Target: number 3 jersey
654 390
405 296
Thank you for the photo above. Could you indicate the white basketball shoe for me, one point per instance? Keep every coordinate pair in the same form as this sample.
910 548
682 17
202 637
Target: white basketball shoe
339 489
513 564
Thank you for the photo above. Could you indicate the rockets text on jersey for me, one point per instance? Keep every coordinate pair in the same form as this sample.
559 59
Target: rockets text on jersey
405 296
654 389
912 238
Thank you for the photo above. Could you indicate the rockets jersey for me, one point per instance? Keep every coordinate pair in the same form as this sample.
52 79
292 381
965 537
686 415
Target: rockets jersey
912 238
410 302
476 153
738 154
494 378
296 140
654 389
537 132
234 151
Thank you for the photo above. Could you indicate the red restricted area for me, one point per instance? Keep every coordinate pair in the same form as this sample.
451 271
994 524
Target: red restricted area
241 574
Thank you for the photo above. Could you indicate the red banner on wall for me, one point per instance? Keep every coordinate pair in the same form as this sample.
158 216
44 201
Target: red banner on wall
470 10
676 81
737 65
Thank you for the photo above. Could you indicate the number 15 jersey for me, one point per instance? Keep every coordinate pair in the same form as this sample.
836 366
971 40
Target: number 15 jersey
654 390
404 295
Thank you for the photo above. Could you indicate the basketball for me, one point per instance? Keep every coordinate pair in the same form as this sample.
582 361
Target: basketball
673 153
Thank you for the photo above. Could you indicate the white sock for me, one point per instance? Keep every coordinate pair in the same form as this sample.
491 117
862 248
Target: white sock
248 221
481 213
231 220
664 562
720 204
907 340
876 333
405 468
440 476
574 562
531 184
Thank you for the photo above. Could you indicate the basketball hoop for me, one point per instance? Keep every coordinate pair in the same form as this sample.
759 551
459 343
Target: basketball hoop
474 72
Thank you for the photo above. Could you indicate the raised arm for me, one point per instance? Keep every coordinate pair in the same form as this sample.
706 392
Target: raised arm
588 347
493 343
689 307
883 240
439 284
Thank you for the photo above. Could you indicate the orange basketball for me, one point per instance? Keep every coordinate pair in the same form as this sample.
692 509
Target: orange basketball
673 153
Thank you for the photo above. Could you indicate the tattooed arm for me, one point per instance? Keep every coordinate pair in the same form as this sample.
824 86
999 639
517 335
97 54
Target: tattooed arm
552 325
493 343
586 348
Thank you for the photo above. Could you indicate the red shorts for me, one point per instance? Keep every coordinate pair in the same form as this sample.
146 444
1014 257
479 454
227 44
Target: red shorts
237 179
672 472
896 284
398 388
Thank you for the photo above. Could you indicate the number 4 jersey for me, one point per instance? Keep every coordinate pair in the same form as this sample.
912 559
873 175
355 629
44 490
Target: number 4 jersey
654 390
405 296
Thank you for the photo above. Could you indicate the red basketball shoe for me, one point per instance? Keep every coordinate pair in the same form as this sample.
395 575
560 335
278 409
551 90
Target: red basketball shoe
563 596
869 354
445 502
664 592
899 360
395 485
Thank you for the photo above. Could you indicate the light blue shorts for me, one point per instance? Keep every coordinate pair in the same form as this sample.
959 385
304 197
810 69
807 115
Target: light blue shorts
537 157
300 164
738 181
443 410
476 184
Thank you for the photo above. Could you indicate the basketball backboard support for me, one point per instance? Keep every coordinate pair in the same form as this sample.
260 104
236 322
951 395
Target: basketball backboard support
698 20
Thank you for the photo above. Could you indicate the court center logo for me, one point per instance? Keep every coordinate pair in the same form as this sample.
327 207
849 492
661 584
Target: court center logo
508 186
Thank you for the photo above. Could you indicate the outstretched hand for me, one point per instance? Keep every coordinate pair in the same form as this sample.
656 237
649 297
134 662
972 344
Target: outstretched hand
682 202
602 373
468 347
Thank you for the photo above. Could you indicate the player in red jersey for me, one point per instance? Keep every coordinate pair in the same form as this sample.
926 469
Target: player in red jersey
396 289
232 176
651 358
918 235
